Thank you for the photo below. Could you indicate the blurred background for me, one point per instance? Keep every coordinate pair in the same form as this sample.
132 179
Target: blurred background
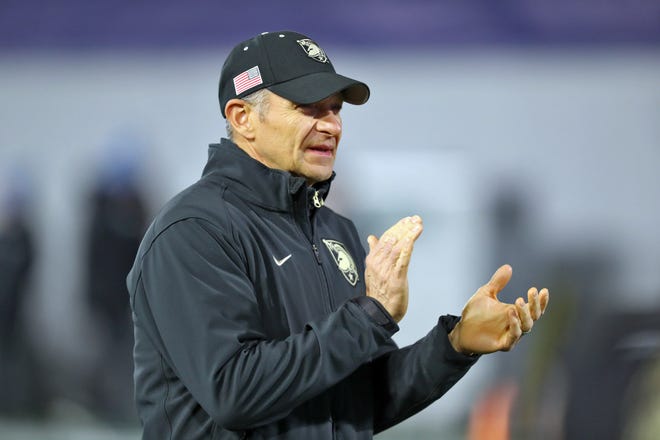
523 132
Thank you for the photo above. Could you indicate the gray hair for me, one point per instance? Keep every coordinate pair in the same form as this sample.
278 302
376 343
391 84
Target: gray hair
258 100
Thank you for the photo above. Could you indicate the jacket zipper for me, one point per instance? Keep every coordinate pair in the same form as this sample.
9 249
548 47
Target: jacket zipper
331 306
322 278
317 254
318 203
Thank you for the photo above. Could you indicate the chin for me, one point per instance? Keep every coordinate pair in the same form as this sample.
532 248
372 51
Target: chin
313 178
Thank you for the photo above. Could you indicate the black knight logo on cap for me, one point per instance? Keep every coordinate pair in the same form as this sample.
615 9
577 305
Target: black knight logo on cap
313 50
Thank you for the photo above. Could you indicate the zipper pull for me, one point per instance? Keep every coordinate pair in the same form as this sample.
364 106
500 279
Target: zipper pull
316 253
318 200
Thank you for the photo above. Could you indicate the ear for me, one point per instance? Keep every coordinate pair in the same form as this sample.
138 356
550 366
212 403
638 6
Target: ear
238 114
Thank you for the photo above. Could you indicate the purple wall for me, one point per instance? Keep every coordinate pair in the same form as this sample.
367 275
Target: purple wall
44 24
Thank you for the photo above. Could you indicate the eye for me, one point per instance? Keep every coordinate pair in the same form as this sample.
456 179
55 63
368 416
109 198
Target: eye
307 109
317 109
334 104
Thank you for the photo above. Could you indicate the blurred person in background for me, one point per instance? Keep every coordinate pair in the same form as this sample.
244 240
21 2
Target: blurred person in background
257 312
118 217
621 349
22 390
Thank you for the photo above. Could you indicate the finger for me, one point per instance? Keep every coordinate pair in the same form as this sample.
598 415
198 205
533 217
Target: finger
406 250
379 251
412 233
372 241
534 303
382 246
514 331
398 233
499 279
396 229
544 298
386 243
403 226
386 246
526 321
386 250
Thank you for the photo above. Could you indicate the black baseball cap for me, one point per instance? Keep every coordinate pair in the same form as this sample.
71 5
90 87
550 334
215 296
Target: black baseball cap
290 65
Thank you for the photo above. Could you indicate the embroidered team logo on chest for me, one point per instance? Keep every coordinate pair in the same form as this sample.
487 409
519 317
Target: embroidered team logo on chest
343 259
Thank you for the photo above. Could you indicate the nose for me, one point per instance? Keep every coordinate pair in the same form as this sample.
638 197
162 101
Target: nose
329 123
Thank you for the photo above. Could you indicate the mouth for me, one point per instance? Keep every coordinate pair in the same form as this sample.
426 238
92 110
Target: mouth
322 150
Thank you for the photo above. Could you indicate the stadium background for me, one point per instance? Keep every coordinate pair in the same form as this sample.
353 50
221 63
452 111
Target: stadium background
524 132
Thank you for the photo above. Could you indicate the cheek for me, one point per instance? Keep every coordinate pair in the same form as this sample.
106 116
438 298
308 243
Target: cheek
301 136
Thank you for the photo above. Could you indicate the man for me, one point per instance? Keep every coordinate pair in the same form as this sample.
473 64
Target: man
257 312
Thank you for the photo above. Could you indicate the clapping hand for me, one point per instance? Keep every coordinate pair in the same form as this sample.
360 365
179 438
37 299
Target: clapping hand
488 325
386 273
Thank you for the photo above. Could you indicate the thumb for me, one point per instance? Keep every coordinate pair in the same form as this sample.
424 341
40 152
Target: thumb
499 279
372 240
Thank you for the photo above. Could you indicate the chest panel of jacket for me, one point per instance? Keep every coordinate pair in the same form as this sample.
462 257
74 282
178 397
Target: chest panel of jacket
297 280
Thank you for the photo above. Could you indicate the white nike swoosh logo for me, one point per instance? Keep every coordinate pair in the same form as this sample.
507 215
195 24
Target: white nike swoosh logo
282 261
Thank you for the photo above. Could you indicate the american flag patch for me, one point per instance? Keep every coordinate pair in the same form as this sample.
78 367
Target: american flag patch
247 79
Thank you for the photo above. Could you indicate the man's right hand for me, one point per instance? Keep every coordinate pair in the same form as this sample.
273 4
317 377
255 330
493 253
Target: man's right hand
386 273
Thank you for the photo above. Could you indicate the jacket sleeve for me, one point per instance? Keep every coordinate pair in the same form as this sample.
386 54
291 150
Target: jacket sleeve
409 379
207 325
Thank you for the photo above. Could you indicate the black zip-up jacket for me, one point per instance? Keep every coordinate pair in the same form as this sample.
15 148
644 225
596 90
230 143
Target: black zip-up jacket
251 319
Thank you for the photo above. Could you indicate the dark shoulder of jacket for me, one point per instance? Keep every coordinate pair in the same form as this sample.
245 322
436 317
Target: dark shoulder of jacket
202 201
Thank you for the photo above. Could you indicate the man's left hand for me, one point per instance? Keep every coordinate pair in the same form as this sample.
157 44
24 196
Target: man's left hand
489 325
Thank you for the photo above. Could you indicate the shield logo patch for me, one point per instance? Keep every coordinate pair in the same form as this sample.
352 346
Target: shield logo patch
313 50
343 260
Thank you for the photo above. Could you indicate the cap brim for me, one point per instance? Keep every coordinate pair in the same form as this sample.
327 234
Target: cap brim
318 86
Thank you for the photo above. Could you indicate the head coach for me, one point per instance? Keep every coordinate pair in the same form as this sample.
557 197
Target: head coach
257 312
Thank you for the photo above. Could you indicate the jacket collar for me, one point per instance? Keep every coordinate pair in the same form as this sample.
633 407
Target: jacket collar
269 188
